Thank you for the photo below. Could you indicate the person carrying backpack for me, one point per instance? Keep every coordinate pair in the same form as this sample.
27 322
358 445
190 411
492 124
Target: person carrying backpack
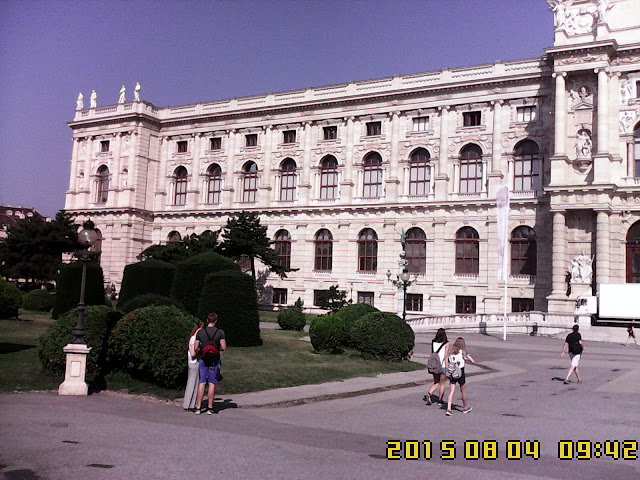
573 342
209 343
457 357
437 365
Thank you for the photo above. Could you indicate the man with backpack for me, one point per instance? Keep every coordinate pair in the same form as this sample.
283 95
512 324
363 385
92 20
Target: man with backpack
209 343
575 346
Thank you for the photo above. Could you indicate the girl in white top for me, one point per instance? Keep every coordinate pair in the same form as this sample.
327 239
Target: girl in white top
458 354
189 401
439 342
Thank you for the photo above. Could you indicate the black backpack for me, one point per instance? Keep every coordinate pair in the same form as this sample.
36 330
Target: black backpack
210 354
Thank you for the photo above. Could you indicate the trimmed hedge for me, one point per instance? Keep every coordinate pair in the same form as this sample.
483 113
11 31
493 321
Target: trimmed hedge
349 314
68 287
292 319
326 333
98 323
232 295
150 344
10 299
148 276
144 300
190 278
38 300
383 335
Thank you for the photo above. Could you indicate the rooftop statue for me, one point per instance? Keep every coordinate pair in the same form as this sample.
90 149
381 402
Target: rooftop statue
93 100
80 101
121 98
136 92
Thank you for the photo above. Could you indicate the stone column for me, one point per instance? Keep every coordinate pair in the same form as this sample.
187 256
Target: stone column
267 197
442 178
630 158
602 247
603 111
347 184
559 263
497 171
437 268
614 112
561 115
114 184
162 178
229 188
393 181
193 195
73 174
304 187
133 165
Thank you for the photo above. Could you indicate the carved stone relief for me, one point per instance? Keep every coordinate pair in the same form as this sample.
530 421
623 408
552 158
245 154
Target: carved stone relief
626 120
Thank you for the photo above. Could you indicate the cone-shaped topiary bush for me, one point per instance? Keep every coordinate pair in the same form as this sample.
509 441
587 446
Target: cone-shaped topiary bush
349 314
68 287
190 275
38 300
148 276
326 333
383 335
10 299
232 295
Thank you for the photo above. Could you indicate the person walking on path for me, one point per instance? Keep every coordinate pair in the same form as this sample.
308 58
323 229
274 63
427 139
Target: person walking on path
439 345
573 343
209 362
191 391
631 334
458 355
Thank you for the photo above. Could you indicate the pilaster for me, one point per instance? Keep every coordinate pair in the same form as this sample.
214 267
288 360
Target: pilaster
393 182
441 178
346 184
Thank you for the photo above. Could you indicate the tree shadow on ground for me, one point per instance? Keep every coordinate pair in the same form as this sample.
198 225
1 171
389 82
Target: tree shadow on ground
14 347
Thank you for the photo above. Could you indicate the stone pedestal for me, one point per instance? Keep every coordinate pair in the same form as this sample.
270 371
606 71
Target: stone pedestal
74 376
579 289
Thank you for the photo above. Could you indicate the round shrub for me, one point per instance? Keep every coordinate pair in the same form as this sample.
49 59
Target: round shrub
10 299
38 300
232 295
190 278
148 276
98 322
68 287
292 319
150 344
326 333
144 300
383 335
349 315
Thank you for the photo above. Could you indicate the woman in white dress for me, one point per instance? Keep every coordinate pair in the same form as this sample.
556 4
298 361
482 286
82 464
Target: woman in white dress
189 402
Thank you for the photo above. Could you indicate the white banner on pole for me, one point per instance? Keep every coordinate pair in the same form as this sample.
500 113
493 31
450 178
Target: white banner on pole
502 213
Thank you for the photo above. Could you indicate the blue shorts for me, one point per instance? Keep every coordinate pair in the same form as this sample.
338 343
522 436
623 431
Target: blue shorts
209 374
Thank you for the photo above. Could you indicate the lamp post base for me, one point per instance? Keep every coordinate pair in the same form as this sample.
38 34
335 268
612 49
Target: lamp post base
74 376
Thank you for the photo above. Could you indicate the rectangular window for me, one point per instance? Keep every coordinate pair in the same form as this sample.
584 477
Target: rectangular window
465 304
251 140
366 297
471 119
244 262
289 136
413 302
320 297
104 146
521 305
330 133
280 296
638 89
182 146
526 175
374 128
525 114
470 175
421 124
215 143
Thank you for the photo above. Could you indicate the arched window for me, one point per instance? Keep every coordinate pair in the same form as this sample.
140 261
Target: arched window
372 176
180 181
214 184
282 246
103 184
323 246
526 166
636 150
471 169
250 182
173 237
419 173
416 250
524 251
288 181
367 250
96 248
467 251
328 178
633 254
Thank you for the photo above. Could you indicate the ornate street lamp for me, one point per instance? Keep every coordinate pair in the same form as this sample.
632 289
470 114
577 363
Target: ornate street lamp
86 237
402 281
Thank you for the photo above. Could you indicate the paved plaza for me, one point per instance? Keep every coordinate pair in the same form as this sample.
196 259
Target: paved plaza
342 430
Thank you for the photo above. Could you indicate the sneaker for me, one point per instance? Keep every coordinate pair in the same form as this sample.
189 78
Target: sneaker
448 413
198 411
209 411
467 410
566 382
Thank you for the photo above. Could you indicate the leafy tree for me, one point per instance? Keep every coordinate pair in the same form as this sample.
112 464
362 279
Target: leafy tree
33 248
189 246
332 299
243 235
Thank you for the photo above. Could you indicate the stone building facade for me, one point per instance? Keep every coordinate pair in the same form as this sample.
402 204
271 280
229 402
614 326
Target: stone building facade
338 172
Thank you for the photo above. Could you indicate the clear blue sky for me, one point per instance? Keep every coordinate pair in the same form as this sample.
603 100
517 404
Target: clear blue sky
190 51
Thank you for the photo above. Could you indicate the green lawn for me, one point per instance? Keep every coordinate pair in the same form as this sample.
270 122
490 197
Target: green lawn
284 360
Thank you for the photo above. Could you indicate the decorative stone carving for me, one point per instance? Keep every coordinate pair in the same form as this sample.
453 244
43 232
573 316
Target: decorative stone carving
93 100
626 119
121 98
80 101
559 10
581 270
581 97
626 91
583 144
136 92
